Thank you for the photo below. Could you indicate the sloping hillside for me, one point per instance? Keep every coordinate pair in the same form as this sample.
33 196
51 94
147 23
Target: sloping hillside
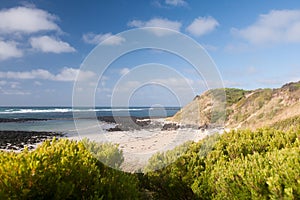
242 109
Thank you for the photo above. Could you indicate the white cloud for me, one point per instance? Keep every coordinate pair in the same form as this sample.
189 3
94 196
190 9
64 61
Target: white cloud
175 2
21 23
39 73
26 20
66 74
50 45
70 74
9 50
136 23
107 39
276 26
124 71
202 25
159 23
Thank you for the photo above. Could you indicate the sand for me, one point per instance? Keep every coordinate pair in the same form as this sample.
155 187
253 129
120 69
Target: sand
139 145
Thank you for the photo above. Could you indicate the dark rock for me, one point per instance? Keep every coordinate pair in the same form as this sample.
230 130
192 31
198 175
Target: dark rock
17 140
205 126
169 127
143 122
116 128
191 126
6 120
126 123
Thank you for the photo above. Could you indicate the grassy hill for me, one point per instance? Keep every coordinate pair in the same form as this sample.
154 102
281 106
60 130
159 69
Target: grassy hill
237 108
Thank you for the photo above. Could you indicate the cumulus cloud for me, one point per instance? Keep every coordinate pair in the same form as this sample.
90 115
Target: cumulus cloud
66 74
9 49
157 22
202 25
26 20
107 39
21 23
70 74
124 71
273 27
50 45
39 73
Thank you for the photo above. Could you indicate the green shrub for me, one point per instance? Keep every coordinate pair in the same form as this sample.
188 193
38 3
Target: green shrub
242 164
163 159
62 169
274 175
107 153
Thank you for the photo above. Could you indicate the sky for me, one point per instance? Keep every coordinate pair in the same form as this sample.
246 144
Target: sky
44 44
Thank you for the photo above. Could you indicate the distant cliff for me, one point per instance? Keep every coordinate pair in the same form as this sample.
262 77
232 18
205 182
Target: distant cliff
242 108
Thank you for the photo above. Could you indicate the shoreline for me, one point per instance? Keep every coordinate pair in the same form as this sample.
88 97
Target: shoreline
138 142
18 140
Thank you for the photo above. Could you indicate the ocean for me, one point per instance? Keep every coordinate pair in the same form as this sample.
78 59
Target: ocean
60 119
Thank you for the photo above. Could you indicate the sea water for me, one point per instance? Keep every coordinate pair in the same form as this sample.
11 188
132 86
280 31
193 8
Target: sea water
60 119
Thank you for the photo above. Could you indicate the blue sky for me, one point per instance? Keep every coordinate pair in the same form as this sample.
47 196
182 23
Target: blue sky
254 44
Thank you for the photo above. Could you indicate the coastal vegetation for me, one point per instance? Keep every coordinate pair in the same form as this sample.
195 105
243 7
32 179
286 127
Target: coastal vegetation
240 164
243 164
65 169
243 108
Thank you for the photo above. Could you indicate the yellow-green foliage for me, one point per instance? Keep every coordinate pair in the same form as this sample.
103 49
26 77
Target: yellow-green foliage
62 170
107 153
161 160
243 164
274 175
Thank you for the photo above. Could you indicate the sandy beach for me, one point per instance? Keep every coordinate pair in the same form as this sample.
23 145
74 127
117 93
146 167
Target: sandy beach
138 141
139 145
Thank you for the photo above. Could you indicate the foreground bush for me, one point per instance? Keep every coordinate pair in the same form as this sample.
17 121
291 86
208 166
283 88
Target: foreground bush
63 170
243 164
274 175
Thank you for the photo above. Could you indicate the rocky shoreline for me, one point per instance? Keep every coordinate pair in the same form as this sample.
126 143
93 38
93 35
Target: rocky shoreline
124 123
17 140
7 120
